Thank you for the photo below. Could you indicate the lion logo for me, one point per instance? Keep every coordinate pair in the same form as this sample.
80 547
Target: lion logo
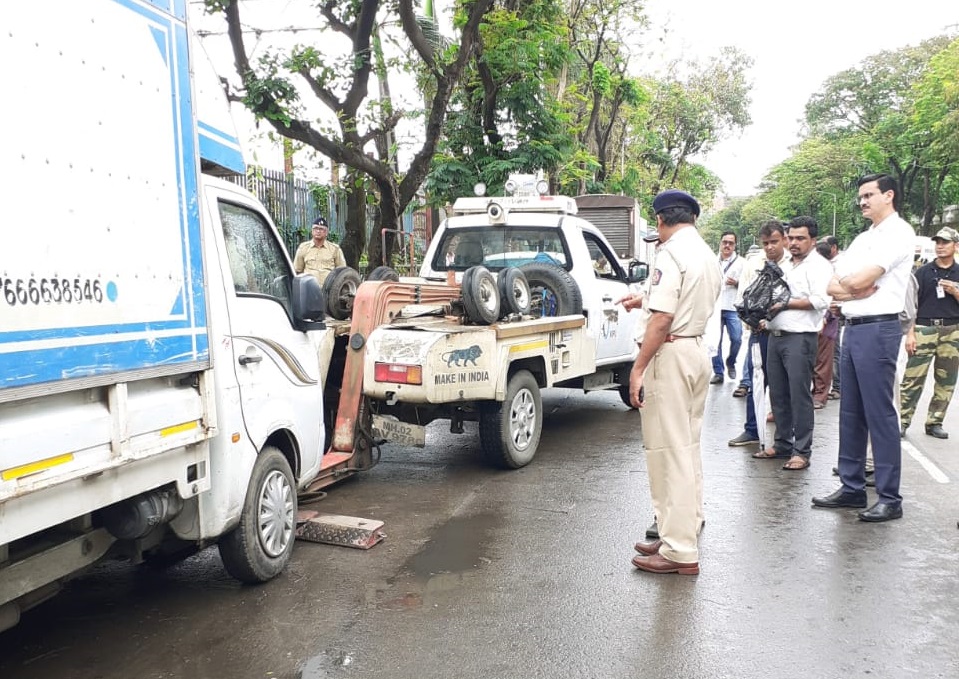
461 357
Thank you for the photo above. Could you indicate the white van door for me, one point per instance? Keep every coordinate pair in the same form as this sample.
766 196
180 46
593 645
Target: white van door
613 326
275 364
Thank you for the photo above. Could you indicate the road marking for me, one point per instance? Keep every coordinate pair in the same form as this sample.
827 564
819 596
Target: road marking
927 464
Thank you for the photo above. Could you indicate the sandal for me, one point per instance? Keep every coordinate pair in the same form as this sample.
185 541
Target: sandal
770 454
818 405
740 391
796 463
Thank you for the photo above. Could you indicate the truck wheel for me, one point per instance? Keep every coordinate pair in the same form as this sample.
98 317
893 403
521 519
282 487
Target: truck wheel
624 395
260 546
339 288
510 431
383 273
553 292
514 293
480 295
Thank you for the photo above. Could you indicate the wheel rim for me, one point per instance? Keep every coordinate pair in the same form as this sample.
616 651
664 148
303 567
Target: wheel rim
522 419
521 295
545 302
488 294
276 507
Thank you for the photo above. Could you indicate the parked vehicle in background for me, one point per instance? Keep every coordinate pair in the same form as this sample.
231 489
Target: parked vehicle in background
620 220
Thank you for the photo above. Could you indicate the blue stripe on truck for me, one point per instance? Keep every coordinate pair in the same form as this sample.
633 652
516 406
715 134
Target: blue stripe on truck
48 365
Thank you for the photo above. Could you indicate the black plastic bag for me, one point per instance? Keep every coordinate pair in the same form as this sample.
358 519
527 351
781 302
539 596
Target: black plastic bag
767 290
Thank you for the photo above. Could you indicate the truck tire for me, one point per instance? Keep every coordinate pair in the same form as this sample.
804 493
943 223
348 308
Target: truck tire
514 295
260 546
553 292
480 295
339 289
510 431
383 273
624 395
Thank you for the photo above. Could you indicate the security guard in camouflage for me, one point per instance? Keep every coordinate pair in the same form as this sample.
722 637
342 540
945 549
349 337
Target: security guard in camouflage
934 336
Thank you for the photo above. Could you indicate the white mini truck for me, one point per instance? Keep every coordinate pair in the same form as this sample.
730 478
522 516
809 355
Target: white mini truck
161 365
487 356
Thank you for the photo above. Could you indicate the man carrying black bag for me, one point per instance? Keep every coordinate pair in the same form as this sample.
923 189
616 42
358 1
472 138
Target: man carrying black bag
757 299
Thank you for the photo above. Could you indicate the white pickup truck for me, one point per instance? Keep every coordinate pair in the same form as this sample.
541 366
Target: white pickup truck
437 362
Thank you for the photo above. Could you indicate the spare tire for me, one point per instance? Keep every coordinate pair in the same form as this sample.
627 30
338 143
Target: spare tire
383 273
480 295
553 292
514 295
339 289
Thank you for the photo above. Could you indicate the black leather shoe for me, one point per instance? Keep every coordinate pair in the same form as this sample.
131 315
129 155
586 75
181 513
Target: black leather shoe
881 512
731 371
937 431
841 498
653 531
717 379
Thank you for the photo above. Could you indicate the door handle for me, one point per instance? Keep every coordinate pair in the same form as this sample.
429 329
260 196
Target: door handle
607 298
246 359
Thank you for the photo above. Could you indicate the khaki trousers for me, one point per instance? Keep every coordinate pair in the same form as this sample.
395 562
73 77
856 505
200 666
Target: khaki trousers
676 383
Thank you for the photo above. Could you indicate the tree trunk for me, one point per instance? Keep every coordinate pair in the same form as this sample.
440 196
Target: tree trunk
354 240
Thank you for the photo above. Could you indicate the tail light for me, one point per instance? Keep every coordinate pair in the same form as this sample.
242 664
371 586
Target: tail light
398 373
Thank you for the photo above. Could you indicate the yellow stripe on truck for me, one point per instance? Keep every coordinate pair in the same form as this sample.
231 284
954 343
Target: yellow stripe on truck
179 428
527 346
34 467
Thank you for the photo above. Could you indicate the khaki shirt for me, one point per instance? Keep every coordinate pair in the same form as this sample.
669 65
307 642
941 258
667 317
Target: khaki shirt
319 261
685 283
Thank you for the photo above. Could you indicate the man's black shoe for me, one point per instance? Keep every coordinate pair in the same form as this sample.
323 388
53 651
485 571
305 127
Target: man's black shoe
731 371
881 512
937 431
841 498
717 379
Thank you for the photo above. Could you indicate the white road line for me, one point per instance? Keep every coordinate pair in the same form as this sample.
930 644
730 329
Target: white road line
927 464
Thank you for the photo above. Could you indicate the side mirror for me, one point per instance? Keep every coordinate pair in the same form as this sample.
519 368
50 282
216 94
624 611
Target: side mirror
309 306
638 271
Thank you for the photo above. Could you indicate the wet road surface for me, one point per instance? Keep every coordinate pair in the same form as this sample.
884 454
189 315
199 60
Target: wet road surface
526 574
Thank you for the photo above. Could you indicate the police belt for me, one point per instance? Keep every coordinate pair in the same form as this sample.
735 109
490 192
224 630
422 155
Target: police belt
879 318
937 321
673 338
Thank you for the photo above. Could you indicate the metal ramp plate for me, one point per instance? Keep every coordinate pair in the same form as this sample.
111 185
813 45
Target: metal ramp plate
334 529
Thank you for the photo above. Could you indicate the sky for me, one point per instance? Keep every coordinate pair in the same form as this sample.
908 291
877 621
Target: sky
796 47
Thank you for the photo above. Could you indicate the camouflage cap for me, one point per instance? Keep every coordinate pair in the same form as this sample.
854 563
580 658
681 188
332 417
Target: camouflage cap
947 233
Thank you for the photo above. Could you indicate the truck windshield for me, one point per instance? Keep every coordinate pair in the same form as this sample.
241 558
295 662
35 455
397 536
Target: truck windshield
499 247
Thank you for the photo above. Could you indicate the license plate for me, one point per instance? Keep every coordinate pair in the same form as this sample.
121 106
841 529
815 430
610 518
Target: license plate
403 433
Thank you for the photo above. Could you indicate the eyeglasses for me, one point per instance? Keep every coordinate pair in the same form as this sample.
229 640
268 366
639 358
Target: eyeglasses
728 242
868 196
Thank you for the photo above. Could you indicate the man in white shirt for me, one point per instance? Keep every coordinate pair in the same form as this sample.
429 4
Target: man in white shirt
871 282
731 266
793 336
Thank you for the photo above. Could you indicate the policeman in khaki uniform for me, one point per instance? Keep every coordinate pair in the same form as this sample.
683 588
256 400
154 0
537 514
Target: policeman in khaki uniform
673 371
318 256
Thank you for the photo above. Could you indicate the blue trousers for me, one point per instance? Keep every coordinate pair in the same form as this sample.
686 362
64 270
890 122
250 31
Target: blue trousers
867 409
762 339
729 321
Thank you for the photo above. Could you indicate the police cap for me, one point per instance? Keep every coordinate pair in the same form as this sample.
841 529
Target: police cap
675 198
321 221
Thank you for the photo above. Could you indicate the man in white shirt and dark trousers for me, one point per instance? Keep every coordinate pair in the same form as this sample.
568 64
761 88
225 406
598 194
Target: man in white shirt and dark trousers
871 282
793 338
731 266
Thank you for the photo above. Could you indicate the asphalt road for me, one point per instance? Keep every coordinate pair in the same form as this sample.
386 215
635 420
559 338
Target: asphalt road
526 574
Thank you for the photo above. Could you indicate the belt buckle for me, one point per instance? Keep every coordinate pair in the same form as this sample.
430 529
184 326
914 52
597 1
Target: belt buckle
937 322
